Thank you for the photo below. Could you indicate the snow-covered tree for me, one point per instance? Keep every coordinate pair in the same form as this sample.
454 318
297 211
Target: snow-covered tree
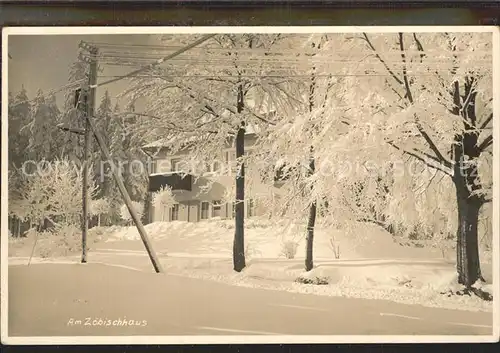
71 117
399 101
163 198
125 213
19 115
289 148
182 106
54 193
42 128
99 207
104 123
440 114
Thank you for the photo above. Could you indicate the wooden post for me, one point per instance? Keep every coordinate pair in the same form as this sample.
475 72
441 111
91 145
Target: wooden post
126 198
89 111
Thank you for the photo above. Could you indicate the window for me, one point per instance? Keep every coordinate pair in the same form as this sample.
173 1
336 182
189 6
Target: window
175 212
164 215
212 167
231 161
176 165
250 208
153 166
204 210
216 208
216 166
161 165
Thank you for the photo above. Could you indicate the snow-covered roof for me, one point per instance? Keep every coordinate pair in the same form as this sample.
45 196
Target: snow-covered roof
167 173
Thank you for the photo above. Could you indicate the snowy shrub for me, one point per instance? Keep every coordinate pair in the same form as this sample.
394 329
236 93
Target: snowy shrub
227 224
64 239
317 280
441 241
251 250
257 222
46 245
289 249
98 232
99 207
54 193
125 214
162 198
335 247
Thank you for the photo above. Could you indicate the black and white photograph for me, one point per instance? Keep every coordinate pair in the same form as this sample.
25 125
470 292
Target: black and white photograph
250 184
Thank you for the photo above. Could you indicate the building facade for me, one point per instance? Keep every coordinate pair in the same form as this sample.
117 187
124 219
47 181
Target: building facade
202 196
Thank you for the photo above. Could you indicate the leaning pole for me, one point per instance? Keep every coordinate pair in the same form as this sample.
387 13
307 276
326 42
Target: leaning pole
126 198
105 151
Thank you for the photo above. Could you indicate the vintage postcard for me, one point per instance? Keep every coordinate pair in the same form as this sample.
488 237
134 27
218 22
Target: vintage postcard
250 185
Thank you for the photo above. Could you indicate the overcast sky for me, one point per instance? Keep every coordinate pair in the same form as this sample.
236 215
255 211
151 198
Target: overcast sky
43 61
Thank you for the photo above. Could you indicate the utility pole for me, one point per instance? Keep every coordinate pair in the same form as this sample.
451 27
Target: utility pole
89 112
90 129
126 197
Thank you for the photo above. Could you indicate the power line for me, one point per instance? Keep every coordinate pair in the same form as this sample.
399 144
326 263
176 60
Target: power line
264 50
267 59
258 76
157 62
130 74
360 67
285 61
230 51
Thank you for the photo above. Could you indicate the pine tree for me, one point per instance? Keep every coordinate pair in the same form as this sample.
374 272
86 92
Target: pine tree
41 128
57 144
19 115
103 121
70 117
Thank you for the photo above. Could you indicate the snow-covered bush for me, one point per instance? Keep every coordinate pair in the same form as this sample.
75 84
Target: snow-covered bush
335 247
59 241
54 193
125 214
251 251
99 207
163 198
316 280
289 249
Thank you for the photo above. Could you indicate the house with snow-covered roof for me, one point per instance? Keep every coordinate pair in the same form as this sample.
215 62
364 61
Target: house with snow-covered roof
199 193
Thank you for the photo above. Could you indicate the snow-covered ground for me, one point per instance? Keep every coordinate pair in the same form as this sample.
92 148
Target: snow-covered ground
265 240
371 264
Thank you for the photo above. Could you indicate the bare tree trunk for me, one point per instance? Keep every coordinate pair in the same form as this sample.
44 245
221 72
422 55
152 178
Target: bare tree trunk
98 220
147 209
239 216
466 152
311 222
18 230
468 264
